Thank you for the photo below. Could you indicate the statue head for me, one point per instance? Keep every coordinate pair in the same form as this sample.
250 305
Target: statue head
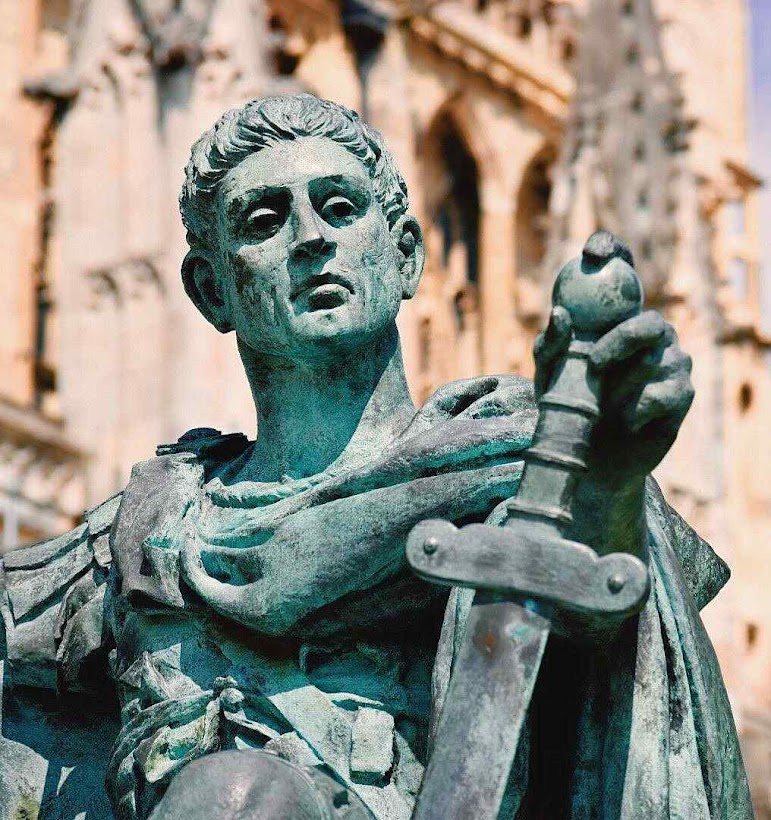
298 229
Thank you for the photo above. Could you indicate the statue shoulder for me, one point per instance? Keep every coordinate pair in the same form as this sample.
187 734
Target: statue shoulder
151 519
51 603
52 594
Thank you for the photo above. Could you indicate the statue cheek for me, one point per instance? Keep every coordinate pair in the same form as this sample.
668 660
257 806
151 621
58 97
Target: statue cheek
253 269
260 284
242 272
375 247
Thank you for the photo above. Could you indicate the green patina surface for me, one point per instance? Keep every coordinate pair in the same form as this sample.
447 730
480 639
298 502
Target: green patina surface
247 596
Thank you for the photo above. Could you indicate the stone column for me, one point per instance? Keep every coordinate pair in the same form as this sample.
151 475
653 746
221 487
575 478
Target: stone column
20 195
496 266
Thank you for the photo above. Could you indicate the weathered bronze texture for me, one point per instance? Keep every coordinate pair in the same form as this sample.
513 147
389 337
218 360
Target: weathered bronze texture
253 597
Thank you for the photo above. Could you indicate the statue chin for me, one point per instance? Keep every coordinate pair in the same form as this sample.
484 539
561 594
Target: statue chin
256 785
324 336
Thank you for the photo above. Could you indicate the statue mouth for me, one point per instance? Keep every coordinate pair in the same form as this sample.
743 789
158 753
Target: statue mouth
324 291
324 297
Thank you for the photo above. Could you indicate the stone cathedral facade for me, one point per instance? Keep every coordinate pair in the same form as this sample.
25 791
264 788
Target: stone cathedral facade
520 126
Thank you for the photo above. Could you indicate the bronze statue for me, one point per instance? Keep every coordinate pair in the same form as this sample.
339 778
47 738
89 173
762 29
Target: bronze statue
250 602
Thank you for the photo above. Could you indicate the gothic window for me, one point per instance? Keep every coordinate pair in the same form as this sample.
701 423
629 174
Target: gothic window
287 49
531 233
455 209
532 213
452 211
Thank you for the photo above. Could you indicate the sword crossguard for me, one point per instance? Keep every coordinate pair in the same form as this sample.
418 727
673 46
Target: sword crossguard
528 563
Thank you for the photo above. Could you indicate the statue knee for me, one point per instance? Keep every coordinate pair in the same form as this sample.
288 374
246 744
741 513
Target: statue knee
255 785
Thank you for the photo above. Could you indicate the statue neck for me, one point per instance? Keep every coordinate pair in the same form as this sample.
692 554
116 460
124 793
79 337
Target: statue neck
313 415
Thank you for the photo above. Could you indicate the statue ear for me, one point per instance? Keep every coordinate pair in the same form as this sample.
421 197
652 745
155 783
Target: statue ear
203 287
409 240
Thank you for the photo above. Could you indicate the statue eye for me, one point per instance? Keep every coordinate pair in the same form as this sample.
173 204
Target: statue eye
338 210
263 222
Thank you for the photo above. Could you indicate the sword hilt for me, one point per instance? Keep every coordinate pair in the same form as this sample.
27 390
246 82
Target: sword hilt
599 290
531 558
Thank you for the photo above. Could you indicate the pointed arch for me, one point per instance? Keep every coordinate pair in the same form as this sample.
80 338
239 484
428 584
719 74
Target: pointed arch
460 111
451 186
531 229
532 210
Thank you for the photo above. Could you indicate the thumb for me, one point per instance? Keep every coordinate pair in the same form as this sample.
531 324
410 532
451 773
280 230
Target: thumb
550 346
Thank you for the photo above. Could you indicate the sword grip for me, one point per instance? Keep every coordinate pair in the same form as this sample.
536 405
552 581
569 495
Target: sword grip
599 290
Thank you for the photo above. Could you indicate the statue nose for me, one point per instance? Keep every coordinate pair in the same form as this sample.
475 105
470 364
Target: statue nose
310 241
313 247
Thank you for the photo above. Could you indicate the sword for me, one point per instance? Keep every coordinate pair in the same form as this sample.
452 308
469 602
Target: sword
529 578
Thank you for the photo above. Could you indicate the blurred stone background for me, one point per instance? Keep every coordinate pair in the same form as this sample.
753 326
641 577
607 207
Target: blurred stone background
520 126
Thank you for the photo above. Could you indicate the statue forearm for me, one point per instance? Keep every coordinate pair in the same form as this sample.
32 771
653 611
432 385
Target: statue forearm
611 519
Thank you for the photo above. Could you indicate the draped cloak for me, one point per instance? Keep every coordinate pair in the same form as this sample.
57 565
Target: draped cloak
270 575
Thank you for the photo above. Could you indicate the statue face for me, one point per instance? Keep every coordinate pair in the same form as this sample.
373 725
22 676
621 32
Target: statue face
308 265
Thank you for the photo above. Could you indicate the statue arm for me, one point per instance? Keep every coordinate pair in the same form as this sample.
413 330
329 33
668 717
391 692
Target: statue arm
51 604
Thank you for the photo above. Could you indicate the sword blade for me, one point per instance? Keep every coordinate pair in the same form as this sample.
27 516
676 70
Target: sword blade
485 709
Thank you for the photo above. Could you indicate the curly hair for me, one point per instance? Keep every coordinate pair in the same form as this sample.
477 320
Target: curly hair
271 120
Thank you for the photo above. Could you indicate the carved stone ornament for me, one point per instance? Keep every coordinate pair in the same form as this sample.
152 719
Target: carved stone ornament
175 29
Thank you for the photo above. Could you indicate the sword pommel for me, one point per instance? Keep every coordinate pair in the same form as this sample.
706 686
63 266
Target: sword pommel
599 289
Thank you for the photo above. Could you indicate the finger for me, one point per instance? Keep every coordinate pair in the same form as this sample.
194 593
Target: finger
645 368
550 346
485 409
554 341
647 330
666 400
452 398
504 401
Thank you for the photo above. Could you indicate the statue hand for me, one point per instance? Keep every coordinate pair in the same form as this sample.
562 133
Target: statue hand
646 392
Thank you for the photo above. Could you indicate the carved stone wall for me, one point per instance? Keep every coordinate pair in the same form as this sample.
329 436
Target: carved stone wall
507 144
